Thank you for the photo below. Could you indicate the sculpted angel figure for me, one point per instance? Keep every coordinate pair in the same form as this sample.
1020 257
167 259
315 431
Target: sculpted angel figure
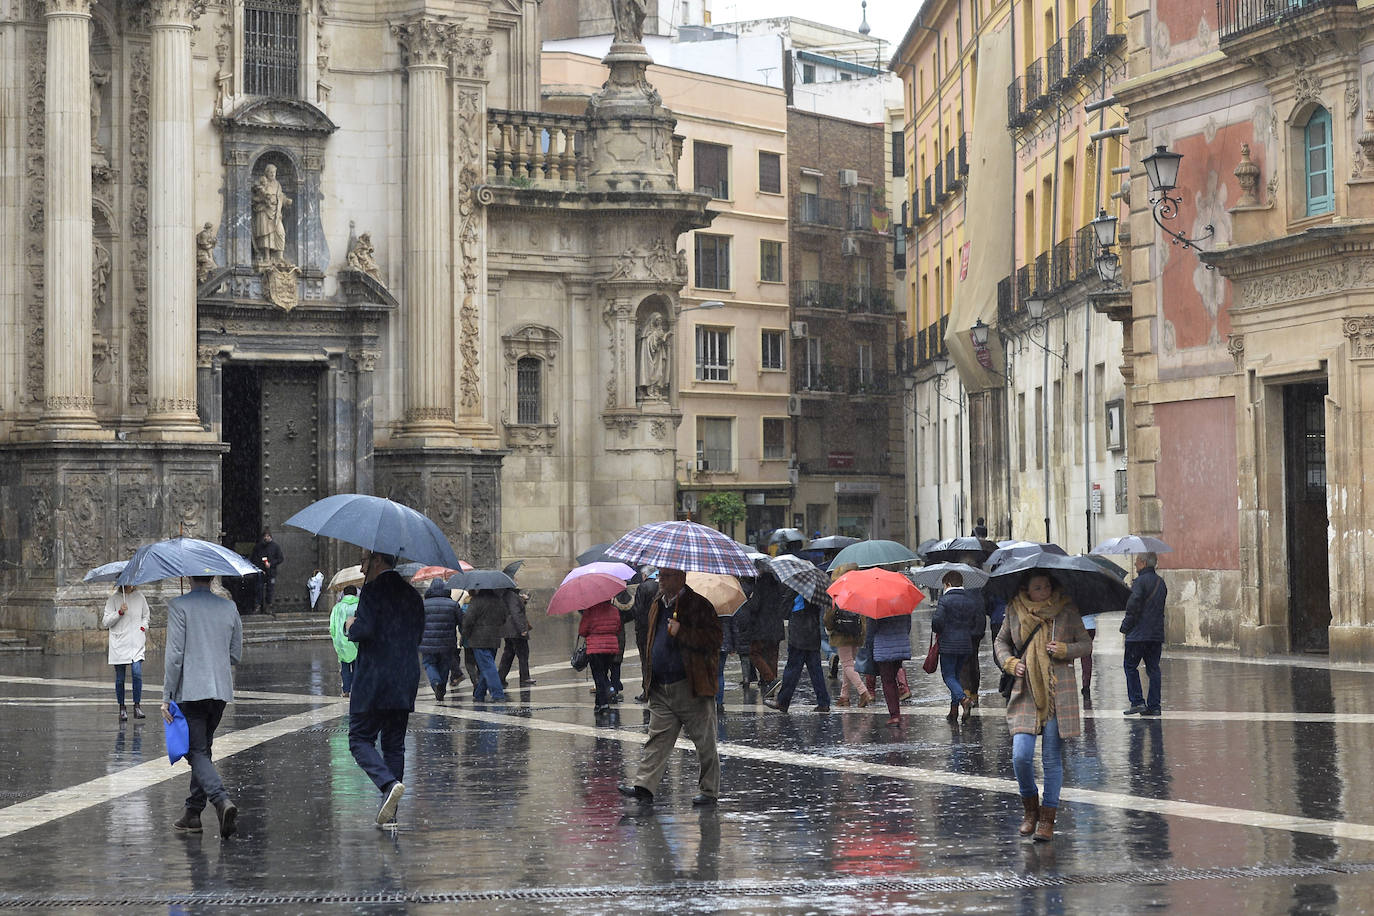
363 258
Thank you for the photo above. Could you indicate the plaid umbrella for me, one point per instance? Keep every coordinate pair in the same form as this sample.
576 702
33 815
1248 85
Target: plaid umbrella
876 593
682 545
801 576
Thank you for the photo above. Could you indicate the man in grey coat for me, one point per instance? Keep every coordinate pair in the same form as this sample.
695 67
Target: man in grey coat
204 639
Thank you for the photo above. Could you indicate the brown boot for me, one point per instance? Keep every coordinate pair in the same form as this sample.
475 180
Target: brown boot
1032 803
1044 831
953 713
189 821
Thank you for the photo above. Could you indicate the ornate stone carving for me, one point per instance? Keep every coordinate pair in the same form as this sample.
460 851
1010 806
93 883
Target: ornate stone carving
1366 144
1331 276
656 263
139 83
363 258
469 245
87 509
224 76
470 55
68 7
1352 101
205 356
186 498
629 21
426 42
365 360
35 114
134 502
624 423
1235 345
482 543
658 429
175 12
1307 86
1247 175
1360 332
269 228
205 252
447 500
655 358
279 284
100 281
38 547
424 414
105 362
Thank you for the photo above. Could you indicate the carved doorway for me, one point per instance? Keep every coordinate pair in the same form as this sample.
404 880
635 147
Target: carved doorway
1309 592
272 470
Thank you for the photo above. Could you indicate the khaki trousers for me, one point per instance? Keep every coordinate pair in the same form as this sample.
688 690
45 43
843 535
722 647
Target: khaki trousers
672 709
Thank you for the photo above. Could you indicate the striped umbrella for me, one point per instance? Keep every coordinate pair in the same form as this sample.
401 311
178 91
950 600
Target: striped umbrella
682 545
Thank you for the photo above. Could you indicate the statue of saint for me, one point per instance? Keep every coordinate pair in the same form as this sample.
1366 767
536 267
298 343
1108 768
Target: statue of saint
363 258
205 247
654 356
100 277
269 231
629 21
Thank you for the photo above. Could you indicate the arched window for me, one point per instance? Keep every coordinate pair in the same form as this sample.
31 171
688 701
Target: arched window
528 391
1317 163
271 48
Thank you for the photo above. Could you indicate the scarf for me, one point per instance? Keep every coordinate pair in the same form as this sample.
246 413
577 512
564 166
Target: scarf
1039 666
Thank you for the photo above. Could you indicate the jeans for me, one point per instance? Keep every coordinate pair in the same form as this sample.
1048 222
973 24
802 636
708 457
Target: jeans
601 676
791 675
951 663
720 678
1051 759
364 728
437 666
346 675
202 718
1147 652
137 668
487 678
517 648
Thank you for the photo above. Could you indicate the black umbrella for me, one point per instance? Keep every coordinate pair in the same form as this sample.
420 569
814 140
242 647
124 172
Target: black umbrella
1092 588
1106 564
595 554
513 568
474 580
952 550
924 547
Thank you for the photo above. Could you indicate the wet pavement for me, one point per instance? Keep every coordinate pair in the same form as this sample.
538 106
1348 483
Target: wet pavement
1252 794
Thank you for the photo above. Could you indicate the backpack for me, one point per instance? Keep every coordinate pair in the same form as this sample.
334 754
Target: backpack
848 623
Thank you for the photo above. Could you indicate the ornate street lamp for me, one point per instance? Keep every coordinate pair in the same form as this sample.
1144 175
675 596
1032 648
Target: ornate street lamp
1161 168
979 333
1035 306
1108 266
1104 227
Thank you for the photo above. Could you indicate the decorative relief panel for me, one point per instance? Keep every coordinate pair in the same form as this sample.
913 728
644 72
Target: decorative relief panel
34 175
186 498
87 505
1360 331
139 84
447 504
1330 276
485 509
134 508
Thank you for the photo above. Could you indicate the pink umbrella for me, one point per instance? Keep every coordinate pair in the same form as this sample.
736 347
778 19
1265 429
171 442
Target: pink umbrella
619 570
583 592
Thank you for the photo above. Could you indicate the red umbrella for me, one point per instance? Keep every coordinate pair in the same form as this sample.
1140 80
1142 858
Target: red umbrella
875 593
425 573
583 592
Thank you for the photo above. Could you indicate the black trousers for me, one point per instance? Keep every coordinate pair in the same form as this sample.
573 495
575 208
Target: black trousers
517 647
364 728
202 718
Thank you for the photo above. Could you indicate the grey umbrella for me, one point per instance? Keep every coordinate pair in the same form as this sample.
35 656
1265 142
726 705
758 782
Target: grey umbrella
107 573
832 542
953 549
593 554
379 525
178 557
474 580
1092 588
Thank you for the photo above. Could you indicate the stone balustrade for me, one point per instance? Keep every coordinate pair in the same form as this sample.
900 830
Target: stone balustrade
536 149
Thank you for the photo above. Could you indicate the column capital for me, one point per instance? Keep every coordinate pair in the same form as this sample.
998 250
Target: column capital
67 8
471 51
165 13
427 42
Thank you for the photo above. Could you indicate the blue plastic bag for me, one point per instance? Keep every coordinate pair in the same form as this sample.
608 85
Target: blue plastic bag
178 735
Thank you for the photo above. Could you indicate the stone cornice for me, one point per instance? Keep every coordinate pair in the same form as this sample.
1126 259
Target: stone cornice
67 8
427 42
1318 262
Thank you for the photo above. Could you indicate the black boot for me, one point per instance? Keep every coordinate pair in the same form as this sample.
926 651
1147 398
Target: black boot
228 814
189 822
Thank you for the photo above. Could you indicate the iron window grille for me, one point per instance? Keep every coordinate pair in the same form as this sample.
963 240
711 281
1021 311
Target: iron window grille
271 48
528 406
713 354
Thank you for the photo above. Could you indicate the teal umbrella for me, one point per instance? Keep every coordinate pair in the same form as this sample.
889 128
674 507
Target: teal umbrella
872 553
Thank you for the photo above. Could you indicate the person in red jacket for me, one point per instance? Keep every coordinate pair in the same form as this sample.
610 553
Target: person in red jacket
600 627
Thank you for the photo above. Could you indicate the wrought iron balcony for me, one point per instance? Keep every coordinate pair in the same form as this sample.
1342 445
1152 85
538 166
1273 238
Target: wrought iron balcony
1085 253
930 196
813 210
1106 38
534 149
905 352
941 191
1017 115
865 380
1037 96
930 342
952 182
1239 17
1055 74
1007 304
814 294
1061 264
1023 282
870 299
963 153
1043 281
819 380
1078 61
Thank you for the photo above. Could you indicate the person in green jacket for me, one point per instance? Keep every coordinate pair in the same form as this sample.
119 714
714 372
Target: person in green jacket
345 648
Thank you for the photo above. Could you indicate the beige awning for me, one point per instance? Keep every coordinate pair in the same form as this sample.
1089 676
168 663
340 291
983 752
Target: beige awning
989 232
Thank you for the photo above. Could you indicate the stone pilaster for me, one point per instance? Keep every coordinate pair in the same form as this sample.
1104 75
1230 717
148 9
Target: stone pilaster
171 233
68 402
429 383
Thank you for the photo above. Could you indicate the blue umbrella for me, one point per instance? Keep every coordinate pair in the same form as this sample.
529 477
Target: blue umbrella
178 557
379 525
107 573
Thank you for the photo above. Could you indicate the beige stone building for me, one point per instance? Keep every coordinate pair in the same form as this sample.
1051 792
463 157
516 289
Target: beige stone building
1250 359
260 251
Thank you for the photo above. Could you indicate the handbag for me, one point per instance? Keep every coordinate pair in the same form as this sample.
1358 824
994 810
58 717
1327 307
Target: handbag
932 662
1008 681
579 655
177 733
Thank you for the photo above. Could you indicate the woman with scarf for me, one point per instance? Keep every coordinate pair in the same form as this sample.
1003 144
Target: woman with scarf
1044 699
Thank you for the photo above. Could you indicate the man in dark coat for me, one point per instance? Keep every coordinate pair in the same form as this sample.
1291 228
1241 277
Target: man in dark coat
439 643
482 626
645 593
516 633
1144 629
684 656
803 649
772 607
267 556
387 627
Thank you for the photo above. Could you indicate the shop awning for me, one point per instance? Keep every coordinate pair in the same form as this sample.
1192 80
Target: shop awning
989 234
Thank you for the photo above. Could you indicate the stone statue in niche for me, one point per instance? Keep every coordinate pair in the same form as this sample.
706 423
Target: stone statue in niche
205 257
100 279
100 165
269 229
629 21
363 258
655 355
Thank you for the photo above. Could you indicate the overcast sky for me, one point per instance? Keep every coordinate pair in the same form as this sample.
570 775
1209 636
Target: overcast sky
888 18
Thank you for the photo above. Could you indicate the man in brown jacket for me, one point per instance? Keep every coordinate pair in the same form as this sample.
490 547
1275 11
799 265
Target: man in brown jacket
683 648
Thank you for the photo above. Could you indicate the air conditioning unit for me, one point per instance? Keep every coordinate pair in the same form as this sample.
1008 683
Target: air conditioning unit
849 248
794 405
798 330
849 178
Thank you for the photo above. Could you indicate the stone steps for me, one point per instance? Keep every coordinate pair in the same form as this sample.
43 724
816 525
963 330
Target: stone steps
11 642
269 628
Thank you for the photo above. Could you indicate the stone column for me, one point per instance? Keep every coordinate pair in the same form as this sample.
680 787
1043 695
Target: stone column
68 401
428 386
171 232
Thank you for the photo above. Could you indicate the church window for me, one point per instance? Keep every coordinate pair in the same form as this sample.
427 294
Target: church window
271 48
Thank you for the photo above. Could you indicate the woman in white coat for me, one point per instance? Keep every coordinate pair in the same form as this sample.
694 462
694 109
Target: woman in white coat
126 617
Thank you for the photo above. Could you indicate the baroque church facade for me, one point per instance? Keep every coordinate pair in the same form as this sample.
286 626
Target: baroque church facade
256 252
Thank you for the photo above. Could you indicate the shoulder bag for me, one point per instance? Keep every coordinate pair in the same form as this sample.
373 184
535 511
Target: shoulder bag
1008 681
932 661
579 655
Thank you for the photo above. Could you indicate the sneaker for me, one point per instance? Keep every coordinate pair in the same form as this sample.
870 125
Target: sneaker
821 709
1136 709
386 814
527 682
439 691
1152 711
774 704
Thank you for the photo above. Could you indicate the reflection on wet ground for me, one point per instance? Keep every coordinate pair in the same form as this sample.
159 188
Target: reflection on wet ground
1250 795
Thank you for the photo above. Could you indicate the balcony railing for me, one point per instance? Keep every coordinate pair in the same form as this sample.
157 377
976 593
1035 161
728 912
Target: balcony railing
1043 281
952 181
1061 264
1085 253
941 191
1016 104
905 352
1023 282
823 379
930 342
869 381
1037 96
1237 17
963 153
870 299
1055 74
1105 36
930 197
535 149
860 218
817 295
1007 303
814 210
1078 60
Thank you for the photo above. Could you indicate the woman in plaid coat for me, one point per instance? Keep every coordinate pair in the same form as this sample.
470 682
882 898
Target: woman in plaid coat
1044 700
